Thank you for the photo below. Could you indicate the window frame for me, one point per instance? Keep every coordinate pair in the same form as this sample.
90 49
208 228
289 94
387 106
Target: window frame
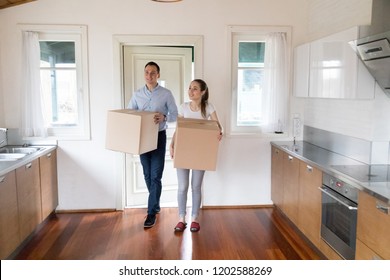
78 34
235 35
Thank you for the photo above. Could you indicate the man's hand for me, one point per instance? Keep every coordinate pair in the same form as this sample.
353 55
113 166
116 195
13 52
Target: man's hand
158 118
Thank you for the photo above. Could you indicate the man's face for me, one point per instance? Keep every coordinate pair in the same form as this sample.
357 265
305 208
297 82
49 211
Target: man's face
151 75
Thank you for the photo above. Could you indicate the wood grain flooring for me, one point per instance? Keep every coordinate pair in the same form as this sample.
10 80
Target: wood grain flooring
226 234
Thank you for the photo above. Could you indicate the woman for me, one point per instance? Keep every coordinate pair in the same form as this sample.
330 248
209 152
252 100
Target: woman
197 108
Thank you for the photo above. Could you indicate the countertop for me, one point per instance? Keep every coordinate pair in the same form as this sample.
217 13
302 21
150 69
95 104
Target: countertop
8 166
338 165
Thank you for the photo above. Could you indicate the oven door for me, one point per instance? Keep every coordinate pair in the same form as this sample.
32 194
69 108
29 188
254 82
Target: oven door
338 222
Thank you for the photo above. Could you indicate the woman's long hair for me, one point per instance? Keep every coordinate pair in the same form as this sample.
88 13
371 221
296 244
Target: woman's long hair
205 96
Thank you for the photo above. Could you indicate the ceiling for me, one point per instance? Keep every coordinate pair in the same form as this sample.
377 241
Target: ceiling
10 3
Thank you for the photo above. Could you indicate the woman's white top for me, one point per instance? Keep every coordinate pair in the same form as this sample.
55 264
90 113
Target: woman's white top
186 112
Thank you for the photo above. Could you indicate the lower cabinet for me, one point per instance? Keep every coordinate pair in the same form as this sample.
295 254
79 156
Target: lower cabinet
49 189
291 187
277 177
295 190
29 197
373 228
309 209
9 220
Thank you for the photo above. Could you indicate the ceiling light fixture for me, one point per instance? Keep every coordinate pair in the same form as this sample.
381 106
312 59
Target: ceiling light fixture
167 1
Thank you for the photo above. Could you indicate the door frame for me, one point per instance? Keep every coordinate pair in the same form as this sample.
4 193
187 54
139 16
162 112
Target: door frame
119 41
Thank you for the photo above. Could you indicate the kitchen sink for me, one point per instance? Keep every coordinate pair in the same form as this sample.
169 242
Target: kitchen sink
12 153
19 150
11 156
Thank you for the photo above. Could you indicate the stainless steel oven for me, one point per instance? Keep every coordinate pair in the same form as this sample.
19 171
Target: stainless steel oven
339 215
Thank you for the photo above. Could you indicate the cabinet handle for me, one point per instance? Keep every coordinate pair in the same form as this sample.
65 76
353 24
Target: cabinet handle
382 208
2 179
49 155
28 165
309 168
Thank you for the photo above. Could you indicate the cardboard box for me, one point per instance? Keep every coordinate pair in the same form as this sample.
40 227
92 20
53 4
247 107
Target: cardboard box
130 131
196 144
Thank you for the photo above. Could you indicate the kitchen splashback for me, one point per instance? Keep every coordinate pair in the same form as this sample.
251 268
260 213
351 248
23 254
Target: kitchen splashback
362 150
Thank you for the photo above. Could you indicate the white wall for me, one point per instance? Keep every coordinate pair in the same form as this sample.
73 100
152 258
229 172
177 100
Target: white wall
88 173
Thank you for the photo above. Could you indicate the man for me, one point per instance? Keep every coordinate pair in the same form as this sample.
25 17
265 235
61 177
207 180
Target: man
155 98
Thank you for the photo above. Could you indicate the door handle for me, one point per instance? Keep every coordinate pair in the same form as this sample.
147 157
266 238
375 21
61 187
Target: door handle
382 208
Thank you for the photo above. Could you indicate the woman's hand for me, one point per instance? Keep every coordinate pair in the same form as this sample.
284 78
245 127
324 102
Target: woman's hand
220 136
171 150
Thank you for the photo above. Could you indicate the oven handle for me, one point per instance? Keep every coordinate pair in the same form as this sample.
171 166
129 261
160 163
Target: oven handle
325 191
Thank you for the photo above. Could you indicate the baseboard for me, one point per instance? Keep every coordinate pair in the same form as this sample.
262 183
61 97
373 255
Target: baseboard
237 206
86 211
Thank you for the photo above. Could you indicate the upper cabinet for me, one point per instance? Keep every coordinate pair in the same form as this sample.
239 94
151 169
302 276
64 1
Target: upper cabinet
330 68
301 70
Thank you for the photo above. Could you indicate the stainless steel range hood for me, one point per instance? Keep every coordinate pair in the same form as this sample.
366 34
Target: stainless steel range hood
373 44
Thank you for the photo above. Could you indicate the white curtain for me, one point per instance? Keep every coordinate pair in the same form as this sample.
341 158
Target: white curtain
32 122
276 69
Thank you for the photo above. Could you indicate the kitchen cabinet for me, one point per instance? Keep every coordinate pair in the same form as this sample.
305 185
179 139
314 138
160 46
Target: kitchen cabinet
309 209
49 189
9 221
330 68
277 176
373 228
291 187
294 190
29 197
285 183
301 70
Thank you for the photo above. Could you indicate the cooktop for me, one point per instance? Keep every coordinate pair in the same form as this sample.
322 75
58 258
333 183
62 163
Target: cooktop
366 173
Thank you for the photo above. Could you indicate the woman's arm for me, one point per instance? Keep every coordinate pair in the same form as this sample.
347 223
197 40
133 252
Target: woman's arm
214 117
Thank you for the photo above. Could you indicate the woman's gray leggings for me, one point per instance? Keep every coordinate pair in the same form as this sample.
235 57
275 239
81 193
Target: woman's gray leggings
183 176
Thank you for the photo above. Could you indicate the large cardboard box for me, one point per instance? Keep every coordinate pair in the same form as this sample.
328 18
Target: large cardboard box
130 131
196 144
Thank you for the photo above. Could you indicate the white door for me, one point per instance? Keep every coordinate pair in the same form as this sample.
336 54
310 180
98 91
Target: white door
175 74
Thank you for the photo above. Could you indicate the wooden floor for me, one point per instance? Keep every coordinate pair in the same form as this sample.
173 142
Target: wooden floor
226 234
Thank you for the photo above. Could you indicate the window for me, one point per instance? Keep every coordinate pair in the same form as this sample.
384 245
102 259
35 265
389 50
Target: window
64 82
250 78
59 82
254 94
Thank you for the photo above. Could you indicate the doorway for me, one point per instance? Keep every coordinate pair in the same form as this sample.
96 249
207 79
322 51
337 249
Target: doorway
132 52
175 74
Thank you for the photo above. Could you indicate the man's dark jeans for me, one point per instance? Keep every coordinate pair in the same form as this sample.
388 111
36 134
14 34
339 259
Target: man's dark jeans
153 167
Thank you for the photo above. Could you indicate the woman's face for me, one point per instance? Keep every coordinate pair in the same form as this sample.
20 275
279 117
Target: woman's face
194 91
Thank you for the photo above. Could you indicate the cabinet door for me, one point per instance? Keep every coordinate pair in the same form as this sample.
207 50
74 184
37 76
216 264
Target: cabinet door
49 185
277 177
365 253
309 213
373 227
291 187
301 70
335 70
29 197
9 225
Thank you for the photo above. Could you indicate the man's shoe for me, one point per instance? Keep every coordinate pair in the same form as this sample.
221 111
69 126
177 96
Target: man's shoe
150 221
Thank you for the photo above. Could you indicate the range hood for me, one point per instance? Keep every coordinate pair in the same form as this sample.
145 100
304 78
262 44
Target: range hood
373 44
